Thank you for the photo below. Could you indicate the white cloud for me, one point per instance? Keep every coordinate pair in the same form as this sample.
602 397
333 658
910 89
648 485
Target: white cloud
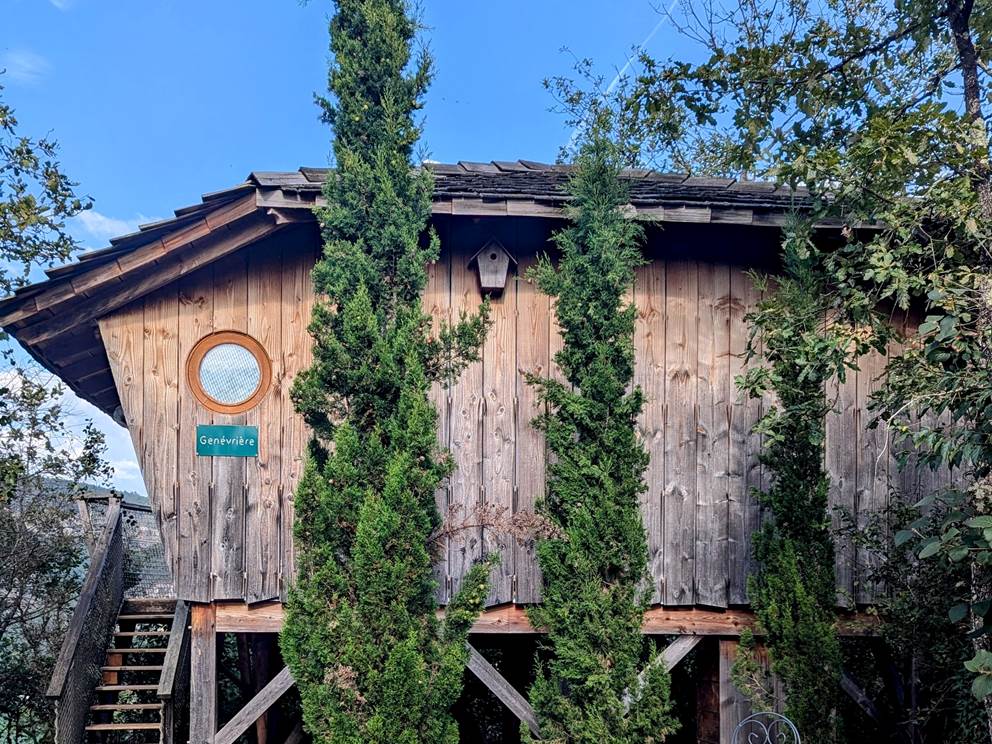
126 471
102 227
63 4
120 451
24 66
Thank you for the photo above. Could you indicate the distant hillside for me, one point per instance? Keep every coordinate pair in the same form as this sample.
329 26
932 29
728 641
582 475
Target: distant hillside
100 492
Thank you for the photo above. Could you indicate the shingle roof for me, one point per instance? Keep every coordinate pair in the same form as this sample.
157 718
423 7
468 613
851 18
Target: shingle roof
529 180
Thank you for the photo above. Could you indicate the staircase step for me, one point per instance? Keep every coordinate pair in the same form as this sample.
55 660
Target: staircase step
137 650
130 668
124 727
124 688
126 706
150 617
142 633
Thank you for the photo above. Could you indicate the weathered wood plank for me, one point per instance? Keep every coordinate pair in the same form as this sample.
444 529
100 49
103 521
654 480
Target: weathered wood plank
228 498
299 258
533 356
254 708
264 473
151 278
502 689
745 445
715 395
122 335
159 453
873 471
174 650
467 403
841 461
267 617
649 374
203 675
681 293
196 320
733 705
437 304
499 366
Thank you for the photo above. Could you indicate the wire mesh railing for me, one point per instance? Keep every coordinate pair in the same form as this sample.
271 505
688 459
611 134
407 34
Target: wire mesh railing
77 670
146 569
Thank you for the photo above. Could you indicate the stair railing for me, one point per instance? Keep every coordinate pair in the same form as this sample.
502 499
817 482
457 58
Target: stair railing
77 670
175 673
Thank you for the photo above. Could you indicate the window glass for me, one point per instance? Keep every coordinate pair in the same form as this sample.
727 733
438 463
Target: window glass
229 373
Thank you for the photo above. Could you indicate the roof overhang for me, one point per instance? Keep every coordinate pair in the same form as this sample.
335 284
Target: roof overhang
56 319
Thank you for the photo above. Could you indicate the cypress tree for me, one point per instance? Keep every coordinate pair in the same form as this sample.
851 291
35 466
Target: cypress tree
370 658
595 562
793 592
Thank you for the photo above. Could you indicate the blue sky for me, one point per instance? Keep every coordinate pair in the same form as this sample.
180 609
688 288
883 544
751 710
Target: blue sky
156 102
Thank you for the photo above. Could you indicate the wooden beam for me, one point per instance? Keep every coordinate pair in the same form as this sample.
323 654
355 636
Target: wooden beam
118 293
174 651
238 617
254 708
203 675
674 653
267 617
734 707
502 689
859 696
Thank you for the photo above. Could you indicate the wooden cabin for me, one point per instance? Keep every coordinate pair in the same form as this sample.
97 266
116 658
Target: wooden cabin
190 332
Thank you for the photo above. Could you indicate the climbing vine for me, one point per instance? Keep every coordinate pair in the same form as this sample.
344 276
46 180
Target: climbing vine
595 560
371 659
801 347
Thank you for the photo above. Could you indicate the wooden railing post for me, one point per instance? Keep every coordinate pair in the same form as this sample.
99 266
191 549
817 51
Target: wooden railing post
203 675
77 669
172 680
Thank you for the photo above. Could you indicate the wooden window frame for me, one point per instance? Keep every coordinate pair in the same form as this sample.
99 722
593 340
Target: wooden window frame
243 340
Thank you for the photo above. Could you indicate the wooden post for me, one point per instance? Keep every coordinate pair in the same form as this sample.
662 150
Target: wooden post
261 653
708 694
203 675
733 705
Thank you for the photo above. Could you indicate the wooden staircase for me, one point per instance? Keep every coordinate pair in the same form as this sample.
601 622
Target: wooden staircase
127 709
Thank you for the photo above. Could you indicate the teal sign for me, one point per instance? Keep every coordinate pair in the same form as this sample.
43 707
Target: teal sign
226 441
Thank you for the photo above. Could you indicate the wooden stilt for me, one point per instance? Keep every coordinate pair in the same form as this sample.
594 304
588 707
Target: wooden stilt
734 707
261 653
708 694
203 675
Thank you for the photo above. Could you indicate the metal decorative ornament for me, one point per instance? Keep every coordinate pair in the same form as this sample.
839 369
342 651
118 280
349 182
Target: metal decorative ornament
766 728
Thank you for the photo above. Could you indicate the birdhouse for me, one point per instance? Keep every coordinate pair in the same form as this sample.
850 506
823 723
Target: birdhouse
493 263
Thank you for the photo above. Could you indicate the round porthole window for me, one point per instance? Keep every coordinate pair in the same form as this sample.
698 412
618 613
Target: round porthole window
228 372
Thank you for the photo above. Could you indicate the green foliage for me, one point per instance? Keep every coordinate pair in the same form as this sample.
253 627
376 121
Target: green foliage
793 592
916 676
46 457
595 562
36 198
45 463
372 661
877 108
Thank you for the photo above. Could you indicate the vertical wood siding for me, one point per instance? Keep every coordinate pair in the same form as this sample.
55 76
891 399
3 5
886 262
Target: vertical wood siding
227 522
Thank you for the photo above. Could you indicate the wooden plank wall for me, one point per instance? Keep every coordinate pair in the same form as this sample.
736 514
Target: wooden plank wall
227 522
